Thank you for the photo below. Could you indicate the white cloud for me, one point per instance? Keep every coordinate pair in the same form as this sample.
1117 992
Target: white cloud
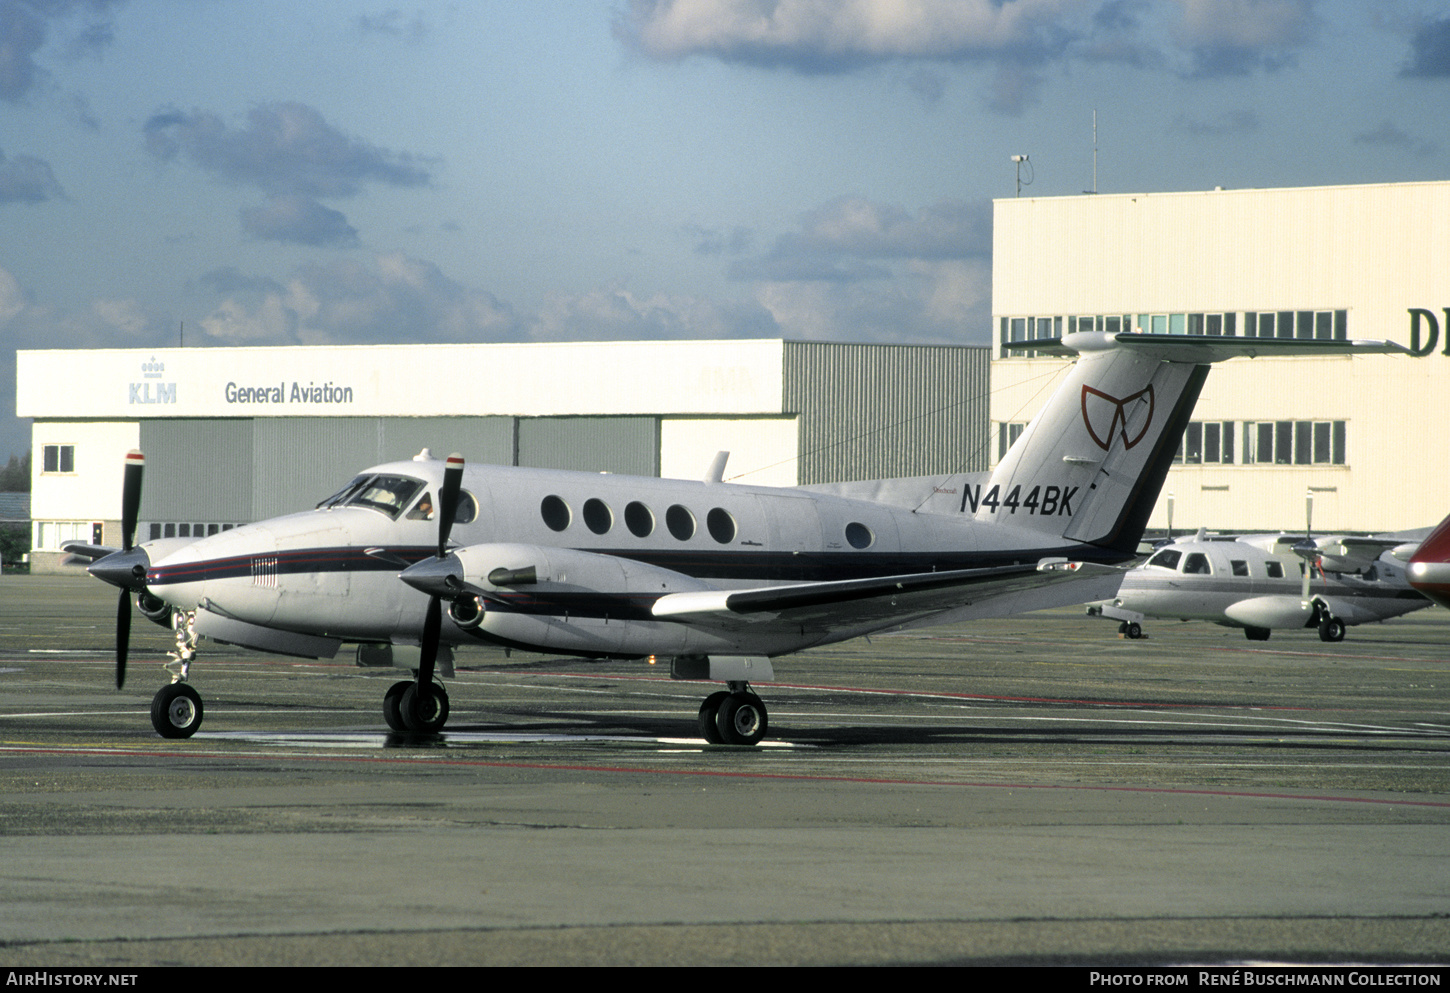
818 35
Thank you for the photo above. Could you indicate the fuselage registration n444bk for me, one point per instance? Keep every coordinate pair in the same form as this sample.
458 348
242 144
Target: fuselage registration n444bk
410 558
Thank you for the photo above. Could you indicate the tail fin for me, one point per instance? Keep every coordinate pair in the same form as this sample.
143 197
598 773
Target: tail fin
1091 464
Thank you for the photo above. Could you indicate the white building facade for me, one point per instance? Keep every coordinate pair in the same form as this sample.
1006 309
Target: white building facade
1364 435
234 435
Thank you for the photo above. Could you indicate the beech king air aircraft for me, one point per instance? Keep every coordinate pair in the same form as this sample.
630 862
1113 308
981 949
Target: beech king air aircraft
719 578
1263 582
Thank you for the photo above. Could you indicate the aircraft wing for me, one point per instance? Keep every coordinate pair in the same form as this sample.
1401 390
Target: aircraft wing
875 601
86 550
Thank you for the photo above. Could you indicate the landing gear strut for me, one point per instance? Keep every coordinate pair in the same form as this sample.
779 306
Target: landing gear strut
737 717
176 710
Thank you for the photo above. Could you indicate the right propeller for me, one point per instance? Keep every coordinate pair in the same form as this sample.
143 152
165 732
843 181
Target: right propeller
425 707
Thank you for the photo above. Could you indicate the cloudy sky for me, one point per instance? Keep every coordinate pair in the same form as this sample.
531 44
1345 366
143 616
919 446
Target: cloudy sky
269 172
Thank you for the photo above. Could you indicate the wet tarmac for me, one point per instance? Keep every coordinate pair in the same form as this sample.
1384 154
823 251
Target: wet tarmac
1029 790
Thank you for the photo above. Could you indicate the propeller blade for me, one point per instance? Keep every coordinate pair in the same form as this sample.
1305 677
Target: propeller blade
131 497
432 624
448 499
123 636
131 476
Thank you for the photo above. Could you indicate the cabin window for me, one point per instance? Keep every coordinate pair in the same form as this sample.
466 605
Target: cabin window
466 512
639 519
555 513
720 525
597 516
859 535
1197 564
1240 567
1274 569
1166 559
680 522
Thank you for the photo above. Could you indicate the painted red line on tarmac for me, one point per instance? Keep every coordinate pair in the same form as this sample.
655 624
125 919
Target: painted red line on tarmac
717 774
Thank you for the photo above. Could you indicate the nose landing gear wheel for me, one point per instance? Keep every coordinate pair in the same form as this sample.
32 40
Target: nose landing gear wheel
425 714
176 711
1331 629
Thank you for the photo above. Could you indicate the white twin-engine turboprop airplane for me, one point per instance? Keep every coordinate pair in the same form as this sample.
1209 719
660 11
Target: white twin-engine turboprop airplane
1270 581
718 577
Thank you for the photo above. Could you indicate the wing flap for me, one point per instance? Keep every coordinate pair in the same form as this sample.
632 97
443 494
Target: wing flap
863 602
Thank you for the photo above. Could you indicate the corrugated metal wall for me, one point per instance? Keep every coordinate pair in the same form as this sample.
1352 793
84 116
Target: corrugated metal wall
197 470
874 412
625 445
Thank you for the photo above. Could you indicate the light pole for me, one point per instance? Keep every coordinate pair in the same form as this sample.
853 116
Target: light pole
1020 160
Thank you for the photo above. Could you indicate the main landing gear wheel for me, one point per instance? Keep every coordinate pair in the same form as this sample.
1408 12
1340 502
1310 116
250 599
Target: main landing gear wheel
708 729
424 713
1331 629
1131 629
392 705
741 719
176 711
1256 634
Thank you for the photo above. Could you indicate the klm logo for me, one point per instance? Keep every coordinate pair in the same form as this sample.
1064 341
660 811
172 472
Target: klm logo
153 392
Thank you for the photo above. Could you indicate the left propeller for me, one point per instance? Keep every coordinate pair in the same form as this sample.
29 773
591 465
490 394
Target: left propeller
126 568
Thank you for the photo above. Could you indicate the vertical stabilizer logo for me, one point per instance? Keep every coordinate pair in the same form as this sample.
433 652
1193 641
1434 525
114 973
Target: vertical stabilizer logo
1107 415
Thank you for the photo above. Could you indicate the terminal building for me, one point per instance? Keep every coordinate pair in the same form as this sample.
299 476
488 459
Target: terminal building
234 435
1366 436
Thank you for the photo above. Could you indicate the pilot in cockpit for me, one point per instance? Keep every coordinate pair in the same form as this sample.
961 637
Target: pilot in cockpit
424 510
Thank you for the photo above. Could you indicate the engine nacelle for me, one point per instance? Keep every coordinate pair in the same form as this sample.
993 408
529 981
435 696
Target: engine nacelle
466 612
583 603
153 608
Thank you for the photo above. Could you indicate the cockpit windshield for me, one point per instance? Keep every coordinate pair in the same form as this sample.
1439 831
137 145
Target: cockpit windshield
385 493
390 494
336 500
1166 559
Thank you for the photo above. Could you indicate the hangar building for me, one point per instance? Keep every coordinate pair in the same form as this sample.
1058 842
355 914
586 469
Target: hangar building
233 435
1365 435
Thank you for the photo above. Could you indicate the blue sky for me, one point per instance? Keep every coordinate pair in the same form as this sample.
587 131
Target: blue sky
349 172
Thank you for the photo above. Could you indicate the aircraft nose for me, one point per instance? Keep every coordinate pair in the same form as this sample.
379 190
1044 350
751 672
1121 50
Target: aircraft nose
124 569
435 577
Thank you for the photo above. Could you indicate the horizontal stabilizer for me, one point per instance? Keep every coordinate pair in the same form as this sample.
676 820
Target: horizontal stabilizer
1203 348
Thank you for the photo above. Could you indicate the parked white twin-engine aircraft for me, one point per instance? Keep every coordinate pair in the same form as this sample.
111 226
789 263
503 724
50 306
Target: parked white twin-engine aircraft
718 577
1263 582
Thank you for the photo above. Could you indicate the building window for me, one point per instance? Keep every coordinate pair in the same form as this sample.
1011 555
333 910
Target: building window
1322 325
1007 435
1295 443
58 458
1207 442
